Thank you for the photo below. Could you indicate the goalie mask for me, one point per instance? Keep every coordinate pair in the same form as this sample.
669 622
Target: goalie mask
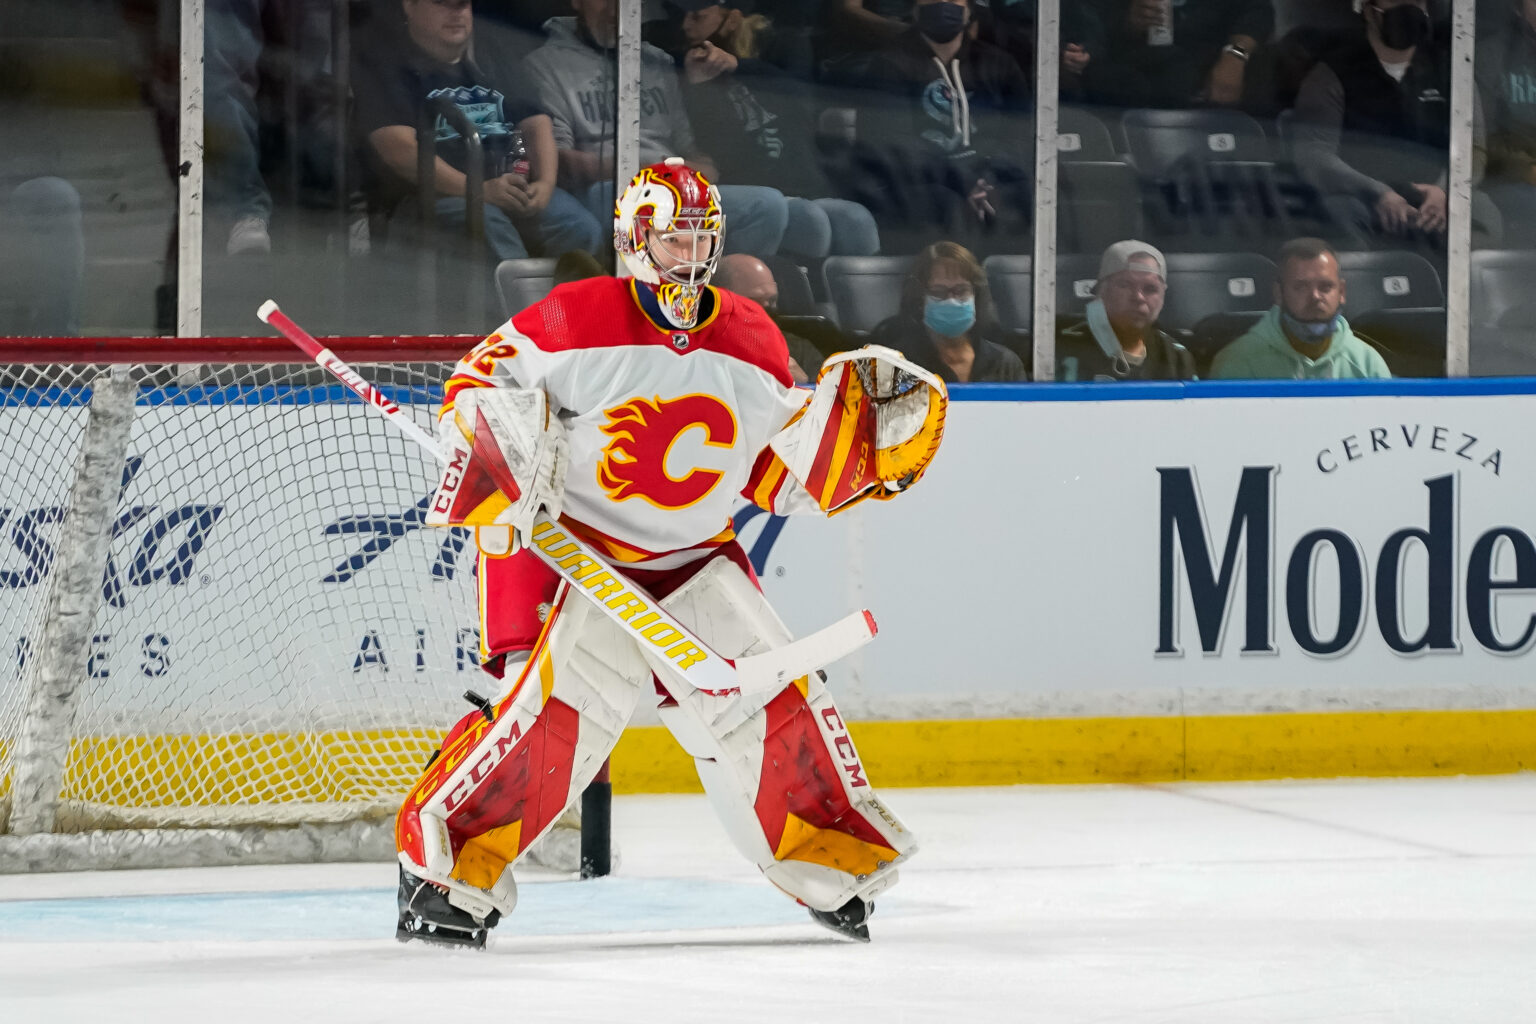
669 228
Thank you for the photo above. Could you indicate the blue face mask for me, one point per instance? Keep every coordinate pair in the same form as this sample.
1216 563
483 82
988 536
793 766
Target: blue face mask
949 317
1309 331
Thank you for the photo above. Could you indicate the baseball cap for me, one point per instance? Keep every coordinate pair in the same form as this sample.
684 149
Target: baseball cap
1118 257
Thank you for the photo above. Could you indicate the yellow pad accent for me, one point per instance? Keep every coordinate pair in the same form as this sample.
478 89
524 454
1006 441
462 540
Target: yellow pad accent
838 850
484 858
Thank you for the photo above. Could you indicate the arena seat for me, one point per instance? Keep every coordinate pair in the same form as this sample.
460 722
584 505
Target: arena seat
1096 189
864 290
1389 279
1075 278
521 283
1201 284
1503 341
1207 179
1501 280
795 295
1011 279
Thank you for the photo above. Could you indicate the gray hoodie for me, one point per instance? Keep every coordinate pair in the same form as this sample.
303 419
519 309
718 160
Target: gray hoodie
575 83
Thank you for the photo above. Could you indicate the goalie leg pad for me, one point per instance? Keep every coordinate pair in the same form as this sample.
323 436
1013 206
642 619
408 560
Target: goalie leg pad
780 768
500 784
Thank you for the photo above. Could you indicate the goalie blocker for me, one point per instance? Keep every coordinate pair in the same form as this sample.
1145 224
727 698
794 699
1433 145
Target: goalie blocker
778 765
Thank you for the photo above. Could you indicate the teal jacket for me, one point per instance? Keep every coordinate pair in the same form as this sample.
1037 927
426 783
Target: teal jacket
1265 354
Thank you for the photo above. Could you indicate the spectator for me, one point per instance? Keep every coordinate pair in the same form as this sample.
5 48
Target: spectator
751 278
1175 53
1012 27
574 73
753 118
1120 339
946 315
524 211
1303 336
1506 74
1372 129
235 32
42 262
951 153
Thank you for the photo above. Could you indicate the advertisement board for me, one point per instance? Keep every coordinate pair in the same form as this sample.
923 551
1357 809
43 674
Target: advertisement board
1113 557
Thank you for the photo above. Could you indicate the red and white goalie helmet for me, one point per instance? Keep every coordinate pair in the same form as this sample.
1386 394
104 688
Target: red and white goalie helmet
669 228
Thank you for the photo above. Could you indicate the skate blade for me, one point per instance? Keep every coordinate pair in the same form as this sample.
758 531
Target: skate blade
847 929
452 938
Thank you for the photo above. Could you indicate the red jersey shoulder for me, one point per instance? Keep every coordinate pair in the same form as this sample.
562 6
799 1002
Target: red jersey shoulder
742 329
590 313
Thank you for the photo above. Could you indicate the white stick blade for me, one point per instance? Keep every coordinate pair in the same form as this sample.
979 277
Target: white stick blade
783 665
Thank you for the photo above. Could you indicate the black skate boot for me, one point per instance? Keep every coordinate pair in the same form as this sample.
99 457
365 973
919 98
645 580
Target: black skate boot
426 914
850 920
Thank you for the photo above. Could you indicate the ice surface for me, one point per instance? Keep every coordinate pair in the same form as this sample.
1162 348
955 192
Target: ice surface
1339 901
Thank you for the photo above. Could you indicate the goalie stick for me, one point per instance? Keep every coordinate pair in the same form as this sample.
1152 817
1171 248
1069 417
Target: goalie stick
585 570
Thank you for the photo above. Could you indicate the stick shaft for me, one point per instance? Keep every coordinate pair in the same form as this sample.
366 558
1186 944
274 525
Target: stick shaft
328 360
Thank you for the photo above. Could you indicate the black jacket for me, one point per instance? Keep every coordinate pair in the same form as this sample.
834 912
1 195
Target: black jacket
991 364
908 101
1357 129
1079 358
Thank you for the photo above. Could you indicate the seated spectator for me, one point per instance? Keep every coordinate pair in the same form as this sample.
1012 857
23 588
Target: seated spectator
1303 336
1012 26
1372 130
1162 53
942 143
574 74
234 36
750 278
1120 339
1506 75
42 263
524 211
754 119
946 315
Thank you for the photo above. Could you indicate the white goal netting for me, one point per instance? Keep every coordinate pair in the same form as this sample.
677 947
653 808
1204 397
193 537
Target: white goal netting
223 622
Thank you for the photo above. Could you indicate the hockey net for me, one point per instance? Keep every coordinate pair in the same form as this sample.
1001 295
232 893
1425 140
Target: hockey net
229 638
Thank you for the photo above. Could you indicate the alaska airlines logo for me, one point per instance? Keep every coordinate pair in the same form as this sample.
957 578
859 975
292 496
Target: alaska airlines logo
634 465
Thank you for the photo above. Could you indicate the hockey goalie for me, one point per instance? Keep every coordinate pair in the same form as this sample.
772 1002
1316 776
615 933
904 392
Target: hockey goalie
637 414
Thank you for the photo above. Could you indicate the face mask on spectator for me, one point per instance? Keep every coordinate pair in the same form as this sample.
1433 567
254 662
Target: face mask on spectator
949 317
1309 330
1403 27
941 22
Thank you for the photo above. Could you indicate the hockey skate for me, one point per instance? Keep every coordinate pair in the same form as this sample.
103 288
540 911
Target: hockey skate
851 920
426 914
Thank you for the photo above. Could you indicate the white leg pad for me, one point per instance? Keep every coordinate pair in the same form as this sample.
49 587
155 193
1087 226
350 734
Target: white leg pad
780 768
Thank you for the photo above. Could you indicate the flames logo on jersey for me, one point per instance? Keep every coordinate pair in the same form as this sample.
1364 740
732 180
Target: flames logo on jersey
634 464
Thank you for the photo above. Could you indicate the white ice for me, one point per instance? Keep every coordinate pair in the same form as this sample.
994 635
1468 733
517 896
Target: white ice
1337 901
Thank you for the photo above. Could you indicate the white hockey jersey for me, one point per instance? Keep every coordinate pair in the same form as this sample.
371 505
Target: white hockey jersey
668 428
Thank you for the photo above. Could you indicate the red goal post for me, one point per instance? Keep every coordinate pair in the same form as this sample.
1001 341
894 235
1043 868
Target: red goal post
222 648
